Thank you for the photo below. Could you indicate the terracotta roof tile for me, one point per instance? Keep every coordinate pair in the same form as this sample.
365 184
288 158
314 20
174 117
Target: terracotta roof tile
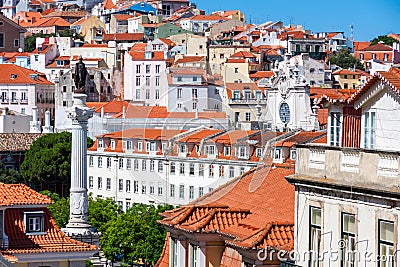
187 59
198 136
13 74
262 74
243 54
20 194
300 138
345 72
123 37
114 106
121 17
109 4
144 133
377 47
360 45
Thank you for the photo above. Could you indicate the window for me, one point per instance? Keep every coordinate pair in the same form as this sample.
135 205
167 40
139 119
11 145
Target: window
374 56
194 256
277 153
120 185
172 171
147 68
91 161
182 168
348 236
99 183
179 93
242 152
179 78
335 125
34 222
174 252
194 93
90 181
128 164
144 188
369 129
210 150
241 171
182 148
172 190
201 169
157 80
157 94
112 144
148 81
227 151
201 191
136 187
138 69
195 78
136 164
158 70
346 86
137 82
293 154
108 184
100 162
386 237
127 205
108 162
128 186
16 43
191 168
119 203
236 70
221 56
210 189
101 143
221 171
361 56
160 166
140 146
137 94
194 105
121 163
315 236
1 39
181 191
191 192
144 164
151 189
247 116
211 170
152 165
258 152
385 57
231 171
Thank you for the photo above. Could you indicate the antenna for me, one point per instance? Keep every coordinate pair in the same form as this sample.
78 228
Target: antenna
351 32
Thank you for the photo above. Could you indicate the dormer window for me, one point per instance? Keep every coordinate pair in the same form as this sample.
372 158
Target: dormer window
128 145
13 76
100 143
293 154
278 153
210 150
258 152
112 144
140 146
227 151
60 63
236 95
247 94
151 146
34 222
242 152
182 148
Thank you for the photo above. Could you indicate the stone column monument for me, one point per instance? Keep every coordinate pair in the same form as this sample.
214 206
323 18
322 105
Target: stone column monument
79 113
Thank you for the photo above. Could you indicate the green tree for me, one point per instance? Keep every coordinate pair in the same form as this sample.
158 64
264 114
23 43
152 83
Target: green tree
345 60
102 211
49 159
59 209
385 39
135 235
9 176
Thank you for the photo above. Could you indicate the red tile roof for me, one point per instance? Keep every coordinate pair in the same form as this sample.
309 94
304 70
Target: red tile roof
114 106
360 45
20 194
231 137
262 74
377 47
121 17
197 137
23 75
207 17
156 55
53 240
51 21
109 4
230 87
243 54
331 95
123 37
236 60
138 47
144 133
345 72
300 138
186 59
253 210
94 45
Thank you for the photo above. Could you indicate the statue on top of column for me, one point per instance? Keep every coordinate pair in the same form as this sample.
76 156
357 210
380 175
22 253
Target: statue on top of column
80 76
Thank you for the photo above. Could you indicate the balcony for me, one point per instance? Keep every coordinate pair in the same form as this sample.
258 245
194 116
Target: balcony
365 169
248 101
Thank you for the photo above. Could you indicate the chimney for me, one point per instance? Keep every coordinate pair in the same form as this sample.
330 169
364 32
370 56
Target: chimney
47 128
35 124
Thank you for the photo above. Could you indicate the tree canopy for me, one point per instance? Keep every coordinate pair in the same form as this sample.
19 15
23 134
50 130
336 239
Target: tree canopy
345 60
9 176
49 159
385 39
135 235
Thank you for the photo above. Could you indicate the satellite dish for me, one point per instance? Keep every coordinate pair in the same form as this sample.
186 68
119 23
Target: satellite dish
20 50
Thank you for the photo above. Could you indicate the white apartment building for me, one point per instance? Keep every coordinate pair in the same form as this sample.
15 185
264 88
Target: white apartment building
347 191
169 166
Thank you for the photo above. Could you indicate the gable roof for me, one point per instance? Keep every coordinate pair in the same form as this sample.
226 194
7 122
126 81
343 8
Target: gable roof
255 210
123 36
377 47
50 21
21 75
20 194
12 23
108 5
